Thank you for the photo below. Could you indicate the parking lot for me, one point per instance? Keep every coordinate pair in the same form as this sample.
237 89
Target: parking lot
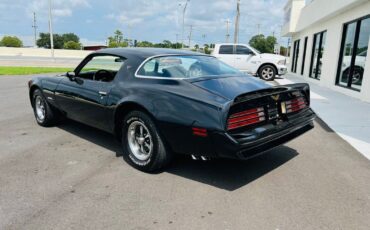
73 177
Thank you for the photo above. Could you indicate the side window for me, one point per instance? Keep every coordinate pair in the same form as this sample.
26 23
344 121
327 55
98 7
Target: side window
243 50
101 68
226 49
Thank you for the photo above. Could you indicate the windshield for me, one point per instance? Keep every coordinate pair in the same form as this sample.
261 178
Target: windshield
191 66
255 50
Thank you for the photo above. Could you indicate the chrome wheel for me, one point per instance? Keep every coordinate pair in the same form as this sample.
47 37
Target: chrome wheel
356 77
139 140
267 73
40 109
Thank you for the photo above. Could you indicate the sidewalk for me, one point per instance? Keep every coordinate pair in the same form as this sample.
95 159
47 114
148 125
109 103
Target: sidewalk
349 117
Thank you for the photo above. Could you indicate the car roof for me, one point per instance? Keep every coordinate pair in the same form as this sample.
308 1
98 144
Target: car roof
145 52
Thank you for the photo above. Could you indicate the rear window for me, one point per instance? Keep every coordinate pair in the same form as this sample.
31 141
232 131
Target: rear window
191 66
226 49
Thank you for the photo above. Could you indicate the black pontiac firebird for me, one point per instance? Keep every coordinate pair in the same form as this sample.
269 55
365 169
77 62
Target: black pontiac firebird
160 102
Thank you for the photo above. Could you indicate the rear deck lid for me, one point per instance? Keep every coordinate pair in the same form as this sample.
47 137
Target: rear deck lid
231 87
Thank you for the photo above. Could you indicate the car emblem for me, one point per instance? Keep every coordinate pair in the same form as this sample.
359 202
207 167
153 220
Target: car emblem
275 97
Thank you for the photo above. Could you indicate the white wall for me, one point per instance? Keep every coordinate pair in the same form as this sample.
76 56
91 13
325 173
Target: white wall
334 28
39 52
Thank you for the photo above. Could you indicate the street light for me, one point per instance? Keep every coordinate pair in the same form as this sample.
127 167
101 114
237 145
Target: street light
183 23
51 31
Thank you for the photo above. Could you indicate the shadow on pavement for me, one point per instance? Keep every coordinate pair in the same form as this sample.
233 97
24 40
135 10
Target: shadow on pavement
231 174
221 173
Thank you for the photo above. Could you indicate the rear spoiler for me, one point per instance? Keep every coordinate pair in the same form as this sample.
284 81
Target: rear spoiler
303 87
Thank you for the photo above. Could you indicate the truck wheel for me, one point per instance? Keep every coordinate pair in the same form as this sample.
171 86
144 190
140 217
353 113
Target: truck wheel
143 147
267 73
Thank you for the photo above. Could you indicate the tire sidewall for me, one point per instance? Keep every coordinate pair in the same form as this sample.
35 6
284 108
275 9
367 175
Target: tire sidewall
268 66
145 165
47 108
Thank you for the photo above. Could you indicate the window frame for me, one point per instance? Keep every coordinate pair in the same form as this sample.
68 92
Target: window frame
304 55
358 22
296 46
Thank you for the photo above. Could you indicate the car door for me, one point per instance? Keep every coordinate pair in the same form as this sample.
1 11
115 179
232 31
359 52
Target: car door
226 54
243 58
84 98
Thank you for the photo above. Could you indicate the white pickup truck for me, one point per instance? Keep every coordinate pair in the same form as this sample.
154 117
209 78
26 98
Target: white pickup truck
250 60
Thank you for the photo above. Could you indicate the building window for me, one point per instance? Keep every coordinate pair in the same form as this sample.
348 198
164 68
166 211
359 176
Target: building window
317 54
295 56
304 54
354 49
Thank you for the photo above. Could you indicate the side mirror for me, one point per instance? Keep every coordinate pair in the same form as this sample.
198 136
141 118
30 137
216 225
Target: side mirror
71 75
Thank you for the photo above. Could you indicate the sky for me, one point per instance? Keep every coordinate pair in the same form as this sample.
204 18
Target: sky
152 20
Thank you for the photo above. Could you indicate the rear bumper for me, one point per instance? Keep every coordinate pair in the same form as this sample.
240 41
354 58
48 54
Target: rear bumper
254 142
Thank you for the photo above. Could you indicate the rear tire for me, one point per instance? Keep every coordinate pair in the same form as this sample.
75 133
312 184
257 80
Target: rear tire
267 73
44 114
143 147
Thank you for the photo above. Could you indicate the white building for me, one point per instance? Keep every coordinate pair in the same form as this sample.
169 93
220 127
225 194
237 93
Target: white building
330 40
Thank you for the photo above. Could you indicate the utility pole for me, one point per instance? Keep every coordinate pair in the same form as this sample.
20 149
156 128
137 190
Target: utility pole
236 30
34 26
227 30
51 31
183 23
191 30
177 39
258 29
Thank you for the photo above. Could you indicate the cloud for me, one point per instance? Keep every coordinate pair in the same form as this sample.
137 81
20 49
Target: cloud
62 12
153 20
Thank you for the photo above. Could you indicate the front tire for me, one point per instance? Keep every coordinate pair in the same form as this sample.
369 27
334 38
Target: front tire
267 73
143 147
44 114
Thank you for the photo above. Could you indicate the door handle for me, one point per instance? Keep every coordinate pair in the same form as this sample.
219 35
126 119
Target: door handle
102 93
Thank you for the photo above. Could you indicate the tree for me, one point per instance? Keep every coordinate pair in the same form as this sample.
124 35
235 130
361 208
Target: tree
44 41
70 37
144 44
72 45
264 45
206 49
117 40
11 41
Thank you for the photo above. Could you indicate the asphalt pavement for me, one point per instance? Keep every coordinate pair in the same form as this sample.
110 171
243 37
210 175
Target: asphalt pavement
72 177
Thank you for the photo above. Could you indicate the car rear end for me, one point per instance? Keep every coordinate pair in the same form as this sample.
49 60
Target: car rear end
258 121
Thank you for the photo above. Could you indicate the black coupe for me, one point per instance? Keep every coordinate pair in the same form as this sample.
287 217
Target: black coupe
161 102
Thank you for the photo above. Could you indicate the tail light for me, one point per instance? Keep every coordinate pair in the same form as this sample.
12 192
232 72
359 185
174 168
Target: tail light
200 132
245 118
293 105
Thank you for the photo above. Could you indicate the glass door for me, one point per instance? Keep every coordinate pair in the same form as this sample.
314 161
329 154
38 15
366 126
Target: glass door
353 54
318 48
295 56
304 55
